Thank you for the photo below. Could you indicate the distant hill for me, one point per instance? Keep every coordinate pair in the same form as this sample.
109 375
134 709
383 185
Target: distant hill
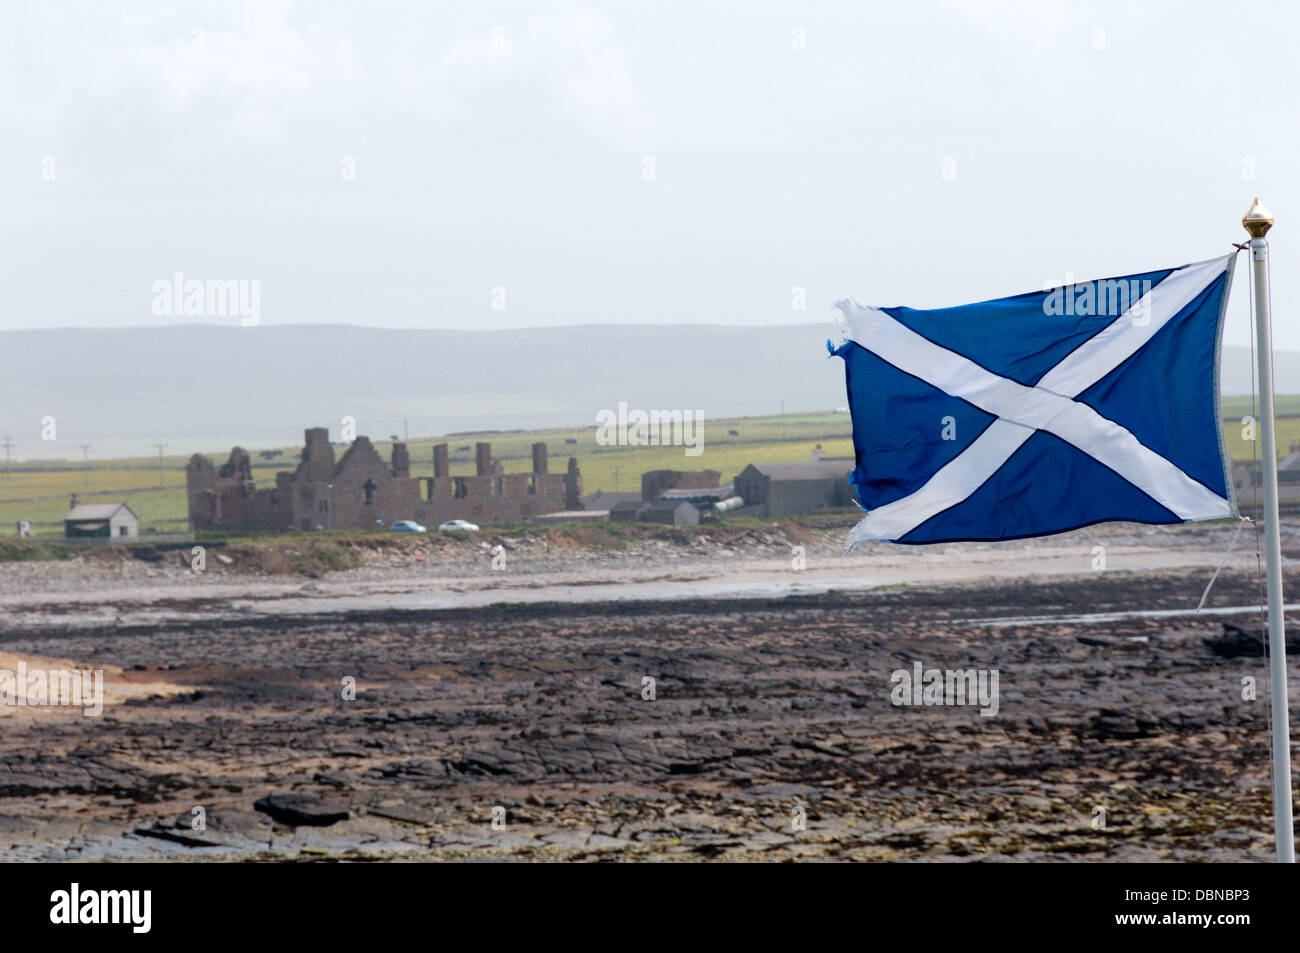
199 387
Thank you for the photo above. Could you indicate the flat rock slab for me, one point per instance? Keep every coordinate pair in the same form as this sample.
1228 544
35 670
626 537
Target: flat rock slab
185 837
403 813
300 810
226 828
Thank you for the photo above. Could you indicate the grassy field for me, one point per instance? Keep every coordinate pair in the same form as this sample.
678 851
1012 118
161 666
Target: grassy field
1287 405
1287 428
40 492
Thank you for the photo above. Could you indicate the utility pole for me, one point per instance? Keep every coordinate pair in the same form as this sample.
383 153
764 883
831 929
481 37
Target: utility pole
8 445
85 461
162 480
615 469
1257 221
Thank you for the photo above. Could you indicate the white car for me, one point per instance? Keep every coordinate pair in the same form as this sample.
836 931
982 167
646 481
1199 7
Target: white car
408 526
452 526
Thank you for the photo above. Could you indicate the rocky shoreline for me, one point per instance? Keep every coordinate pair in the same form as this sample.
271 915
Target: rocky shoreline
769 712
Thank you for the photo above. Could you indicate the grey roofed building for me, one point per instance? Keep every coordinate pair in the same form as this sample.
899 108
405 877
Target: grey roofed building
601 500
628 510
809 470
787 489
672 512
655 482
699 495
1246 474
95 511
102 520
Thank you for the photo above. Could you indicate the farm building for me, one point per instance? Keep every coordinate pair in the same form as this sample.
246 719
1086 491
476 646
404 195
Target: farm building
672 512
628 510
601 500
655 482
100 521
1246 480
787 489
704 499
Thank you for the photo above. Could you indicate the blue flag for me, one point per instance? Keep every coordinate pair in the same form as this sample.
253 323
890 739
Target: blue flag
1040 413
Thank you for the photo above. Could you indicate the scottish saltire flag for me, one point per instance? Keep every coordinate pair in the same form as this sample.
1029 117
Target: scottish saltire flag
1040 413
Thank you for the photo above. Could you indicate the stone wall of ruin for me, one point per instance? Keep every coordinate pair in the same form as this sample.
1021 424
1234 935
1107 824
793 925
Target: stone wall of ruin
361 490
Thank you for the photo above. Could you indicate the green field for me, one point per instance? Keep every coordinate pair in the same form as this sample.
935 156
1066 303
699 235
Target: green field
1287 427
1286 405
39 492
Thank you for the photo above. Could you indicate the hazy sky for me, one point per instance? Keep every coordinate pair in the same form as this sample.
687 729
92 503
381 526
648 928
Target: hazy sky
925 153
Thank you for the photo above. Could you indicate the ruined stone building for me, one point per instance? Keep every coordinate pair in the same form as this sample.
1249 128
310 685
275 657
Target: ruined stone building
361 490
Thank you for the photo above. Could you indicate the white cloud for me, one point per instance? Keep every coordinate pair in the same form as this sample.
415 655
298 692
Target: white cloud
276 56
589 65
263 64
1033 25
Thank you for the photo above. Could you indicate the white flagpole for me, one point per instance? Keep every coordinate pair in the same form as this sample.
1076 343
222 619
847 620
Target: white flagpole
1257 221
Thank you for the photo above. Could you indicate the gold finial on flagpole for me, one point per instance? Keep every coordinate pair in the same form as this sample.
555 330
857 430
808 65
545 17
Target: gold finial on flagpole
1257 220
